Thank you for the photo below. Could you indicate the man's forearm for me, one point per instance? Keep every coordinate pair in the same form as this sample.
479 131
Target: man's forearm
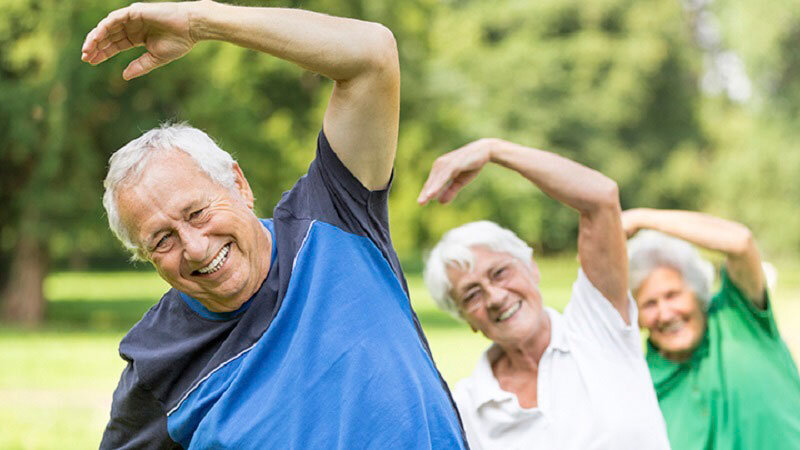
573 184
336 47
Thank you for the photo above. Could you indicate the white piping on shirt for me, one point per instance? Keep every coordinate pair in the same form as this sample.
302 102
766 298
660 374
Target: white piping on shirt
199 382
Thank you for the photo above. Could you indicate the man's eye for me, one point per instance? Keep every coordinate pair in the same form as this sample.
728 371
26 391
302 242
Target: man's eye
499 272
196 214
163 241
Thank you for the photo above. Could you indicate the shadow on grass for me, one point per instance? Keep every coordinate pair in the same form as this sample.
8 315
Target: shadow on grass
109 315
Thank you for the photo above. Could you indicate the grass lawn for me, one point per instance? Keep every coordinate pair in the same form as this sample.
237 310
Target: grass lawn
56 382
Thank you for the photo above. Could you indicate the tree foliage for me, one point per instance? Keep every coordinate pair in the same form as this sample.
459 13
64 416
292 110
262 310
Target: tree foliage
610 83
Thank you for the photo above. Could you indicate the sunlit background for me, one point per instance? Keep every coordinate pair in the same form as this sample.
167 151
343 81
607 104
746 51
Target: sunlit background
686 104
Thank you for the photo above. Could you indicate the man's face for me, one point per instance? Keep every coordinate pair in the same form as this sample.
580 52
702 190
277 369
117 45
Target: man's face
671 312
499 296
202 238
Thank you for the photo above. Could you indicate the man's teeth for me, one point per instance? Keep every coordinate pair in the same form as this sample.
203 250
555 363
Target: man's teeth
217 262
509 312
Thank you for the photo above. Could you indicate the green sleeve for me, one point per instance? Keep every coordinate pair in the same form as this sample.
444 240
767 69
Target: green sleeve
732 305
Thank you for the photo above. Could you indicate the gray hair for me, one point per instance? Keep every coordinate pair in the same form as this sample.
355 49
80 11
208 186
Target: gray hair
127 163
454 249
649 250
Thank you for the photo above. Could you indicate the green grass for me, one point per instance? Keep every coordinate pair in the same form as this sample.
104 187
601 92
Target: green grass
56 382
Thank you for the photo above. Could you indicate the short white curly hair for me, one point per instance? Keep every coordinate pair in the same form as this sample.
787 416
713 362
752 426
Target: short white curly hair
650 249
128 162
455 249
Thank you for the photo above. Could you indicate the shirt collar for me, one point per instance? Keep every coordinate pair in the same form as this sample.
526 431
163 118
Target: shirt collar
558 337
484 386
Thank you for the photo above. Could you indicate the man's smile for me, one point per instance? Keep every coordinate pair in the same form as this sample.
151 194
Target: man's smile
216 263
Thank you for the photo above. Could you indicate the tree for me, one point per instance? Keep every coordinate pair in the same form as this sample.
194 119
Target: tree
610 83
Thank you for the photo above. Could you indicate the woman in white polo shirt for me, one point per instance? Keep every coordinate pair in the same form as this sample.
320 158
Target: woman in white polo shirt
576 380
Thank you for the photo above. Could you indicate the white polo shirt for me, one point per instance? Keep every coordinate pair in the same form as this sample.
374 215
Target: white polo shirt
594 390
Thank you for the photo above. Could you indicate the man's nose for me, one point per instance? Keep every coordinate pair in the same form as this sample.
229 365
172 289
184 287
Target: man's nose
195 244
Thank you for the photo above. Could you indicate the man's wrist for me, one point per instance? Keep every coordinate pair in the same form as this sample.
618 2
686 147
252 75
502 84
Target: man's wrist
200 25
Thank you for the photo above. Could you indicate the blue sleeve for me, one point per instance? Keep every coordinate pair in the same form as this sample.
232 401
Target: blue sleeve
137 420
330 193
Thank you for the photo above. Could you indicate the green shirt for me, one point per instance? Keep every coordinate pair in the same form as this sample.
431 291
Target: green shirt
739 390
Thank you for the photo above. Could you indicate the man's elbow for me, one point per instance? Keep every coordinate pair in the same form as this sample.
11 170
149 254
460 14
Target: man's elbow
381 53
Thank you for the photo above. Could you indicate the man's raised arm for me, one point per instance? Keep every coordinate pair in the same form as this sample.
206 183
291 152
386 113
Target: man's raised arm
361 57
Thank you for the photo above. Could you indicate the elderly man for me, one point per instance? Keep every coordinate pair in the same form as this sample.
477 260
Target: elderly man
571 381
294 332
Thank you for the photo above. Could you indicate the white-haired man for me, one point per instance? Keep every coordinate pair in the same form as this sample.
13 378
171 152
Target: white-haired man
571 381
294 332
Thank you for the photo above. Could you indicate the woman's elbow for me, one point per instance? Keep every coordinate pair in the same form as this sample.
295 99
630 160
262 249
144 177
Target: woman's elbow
743 241
607 195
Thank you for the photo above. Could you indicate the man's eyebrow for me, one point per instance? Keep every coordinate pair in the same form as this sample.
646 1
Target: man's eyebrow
191 207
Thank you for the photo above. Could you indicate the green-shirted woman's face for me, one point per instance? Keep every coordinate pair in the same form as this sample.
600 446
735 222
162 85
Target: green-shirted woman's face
669 309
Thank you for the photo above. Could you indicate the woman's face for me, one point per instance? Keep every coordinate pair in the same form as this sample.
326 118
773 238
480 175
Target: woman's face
669 309
499 297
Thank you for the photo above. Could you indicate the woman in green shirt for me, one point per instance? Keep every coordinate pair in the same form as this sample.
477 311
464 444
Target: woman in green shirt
723 375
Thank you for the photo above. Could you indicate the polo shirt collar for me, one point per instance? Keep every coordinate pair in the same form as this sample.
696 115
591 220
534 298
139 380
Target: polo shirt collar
484 386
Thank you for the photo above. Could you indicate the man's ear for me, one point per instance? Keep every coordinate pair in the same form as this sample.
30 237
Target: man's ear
242 186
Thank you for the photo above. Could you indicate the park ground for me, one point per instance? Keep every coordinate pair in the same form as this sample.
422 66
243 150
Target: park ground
56 382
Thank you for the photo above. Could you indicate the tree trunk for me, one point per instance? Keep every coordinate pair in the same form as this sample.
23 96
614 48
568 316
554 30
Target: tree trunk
23 296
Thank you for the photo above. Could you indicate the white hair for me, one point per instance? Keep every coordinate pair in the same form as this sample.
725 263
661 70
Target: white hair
649 250
455 249
127 163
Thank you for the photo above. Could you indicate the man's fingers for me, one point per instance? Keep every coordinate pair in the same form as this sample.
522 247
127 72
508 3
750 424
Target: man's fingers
108 27
141 66
113 38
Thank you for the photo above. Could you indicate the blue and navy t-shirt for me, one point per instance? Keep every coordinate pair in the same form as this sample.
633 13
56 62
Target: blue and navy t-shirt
327 354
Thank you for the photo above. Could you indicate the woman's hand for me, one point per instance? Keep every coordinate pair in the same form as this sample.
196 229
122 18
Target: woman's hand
631 222
454 170
164 29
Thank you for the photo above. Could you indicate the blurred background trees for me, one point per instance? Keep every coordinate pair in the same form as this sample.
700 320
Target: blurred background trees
649 92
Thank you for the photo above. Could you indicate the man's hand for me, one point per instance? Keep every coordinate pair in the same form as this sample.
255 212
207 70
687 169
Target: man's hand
162 28
454 170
